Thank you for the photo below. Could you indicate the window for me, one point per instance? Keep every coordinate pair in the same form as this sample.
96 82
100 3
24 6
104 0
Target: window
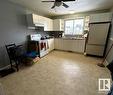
74 27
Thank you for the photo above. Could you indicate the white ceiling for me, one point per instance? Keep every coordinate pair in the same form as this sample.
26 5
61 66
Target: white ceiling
76 6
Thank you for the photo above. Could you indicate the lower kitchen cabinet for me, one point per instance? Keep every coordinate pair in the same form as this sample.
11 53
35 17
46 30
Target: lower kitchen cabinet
67 45
58 44
79 45
51 44
74 45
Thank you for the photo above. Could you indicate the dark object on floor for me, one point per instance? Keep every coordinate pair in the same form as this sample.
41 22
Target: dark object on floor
111 90
110 67
32 54
6 72
101 65
30 61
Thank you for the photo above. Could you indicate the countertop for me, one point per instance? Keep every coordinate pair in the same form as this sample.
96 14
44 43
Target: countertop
69 38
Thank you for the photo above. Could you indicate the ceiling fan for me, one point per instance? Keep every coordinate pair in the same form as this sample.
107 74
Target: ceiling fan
59 3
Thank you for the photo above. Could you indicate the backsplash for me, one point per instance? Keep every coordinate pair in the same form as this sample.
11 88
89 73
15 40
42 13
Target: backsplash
40 30
54 33
49 33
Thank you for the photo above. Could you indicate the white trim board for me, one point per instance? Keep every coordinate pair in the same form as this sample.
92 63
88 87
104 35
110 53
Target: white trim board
6 67
111 39
106 62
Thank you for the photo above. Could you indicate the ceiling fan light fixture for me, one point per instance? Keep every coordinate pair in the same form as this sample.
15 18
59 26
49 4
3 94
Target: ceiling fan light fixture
58 4
71 12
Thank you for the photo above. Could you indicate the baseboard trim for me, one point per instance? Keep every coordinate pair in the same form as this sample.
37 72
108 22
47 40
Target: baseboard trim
106 62
111 39
6 67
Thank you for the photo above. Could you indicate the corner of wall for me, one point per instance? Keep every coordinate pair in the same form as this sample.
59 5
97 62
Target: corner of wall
106 63
112 9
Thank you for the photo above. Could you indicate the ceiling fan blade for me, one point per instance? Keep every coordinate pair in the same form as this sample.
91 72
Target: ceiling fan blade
47 1
65 5
53 7
58 0
64 0
67 0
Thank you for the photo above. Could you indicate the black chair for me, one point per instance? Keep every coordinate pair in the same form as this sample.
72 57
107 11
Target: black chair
12 53
17 54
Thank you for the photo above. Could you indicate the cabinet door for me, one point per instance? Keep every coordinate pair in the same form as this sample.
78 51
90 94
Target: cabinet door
35 18
66 44
81 46
51 44
56 41
75 45
59 44
41 19
70 45
78 46
48 24
62 25
45 21
56 25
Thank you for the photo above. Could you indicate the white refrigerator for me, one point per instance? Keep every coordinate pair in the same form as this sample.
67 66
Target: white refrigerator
97 38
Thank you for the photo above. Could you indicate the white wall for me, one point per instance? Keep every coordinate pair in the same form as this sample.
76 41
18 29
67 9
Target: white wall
78 14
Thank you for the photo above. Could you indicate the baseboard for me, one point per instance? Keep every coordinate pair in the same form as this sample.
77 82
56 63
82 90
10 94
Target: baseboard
6 67
106 62
111 39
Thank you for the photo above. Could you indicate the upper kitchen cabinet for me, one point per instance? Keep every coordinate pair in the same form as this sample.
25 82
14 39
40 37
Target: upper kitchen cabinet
34 20
41 19
48 24
86 23
33 17
58 25
100 17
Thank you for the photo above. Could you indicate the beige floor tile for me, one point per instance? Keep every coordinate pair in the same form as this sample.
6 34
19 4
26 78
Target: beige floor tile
58 73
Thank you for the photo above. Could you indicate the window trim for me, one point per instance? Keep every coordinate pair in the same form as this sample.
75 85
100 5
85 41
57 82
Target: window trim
73 27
